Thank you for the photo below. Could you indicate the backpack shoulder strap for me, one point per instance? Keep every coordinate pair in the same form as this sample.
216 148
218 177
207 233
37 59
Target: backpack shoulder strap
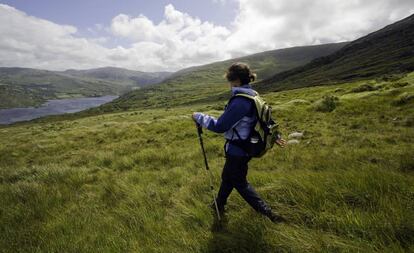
244 95
256 94
258 101
240 95
250 97
256 98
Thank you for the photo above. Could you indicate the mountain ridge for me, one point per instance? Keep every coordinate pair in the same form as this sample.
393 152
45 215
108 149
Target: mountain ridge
208 79
135 77
385 51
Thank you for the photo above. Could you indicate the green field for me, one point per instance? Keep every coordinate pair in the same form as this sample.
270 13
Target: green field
134 181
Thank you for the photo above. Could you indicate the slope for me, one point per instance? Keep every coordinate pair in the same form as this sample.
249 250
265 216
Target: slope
120 75
206 82
384 52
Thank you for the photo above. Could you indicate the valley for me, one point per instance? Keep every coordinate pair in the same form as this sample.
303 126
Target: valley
129 176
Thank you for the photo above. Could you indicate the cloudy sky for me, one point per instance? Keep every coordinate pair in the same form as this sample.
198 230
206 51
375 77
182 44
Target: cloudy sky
160 35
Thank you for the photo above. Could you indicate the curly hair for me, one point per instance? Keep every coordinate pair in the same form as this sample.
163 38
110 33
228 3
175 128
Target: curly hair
240 70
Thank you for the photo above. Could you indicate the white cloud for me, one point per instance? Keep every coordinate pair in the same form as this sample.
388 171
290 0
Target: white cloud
266 24
181 40
28 41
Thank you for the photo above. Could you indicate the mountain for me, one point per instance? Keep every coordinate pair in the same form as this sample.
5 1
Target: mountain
387 51
126 76
22 87
265 64
206 82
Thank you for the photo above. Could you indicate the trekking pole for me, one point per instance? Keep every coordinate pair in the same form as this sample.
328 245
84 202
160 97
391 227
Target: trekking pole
200 131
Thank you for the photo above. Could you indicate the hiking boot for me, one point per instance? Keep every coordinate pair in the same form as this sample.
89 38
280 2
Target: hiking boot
274 217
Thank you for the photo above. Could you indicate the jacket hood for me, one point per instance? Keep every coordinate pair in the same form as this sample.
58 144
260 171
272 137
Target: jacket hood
245 89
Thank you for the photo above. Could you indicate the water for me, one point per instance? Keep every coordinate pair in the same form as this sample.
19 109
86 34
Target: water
52 107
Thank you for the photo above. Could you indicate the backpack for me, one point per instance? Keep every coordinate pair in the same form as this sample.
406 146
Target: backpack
264 134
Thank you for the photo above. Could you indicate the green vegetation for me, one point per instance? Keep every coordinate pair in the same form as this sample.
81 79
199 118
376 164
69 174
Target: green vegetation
365 87
205 83
134 181
326 104
388 51
21 96
22 87
120 76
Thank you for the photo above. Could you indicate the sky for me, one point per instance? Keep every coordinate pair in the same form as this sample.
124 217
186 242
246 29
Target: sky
160 35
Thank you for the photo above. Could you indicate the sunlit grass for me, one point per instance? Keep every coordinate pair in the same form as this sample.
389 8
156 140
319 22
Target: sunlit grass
135 182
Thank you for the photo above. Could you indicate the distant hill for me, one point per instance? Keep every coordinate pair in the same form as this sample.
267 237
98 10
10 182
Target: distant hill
206 82
387 51
125 76
21 87
265 64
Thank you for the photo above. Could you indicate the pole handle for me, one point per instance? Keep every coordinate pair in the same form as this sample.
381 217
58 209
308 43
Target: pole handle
199 128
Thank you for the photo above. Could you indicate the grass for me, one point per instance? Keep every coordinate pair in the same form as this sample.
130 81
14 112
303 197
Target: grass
134 181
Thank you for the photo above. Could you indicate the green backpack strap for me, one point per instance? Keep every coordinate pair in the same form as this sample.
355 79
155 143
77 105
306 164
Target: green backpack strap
259 102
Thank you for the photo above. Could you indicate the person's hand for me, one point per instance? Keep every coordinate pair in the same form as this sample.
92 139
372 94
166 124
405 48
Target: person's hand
281 142
194 116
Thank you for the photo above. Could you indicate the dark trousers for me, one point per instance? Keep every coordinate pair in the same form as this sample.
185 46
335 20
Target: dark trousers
234 176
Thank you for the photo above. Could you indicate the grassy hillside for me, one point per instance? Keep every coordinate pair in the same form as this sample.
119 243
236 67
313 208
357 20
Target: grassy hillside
134 181
200 83
387 51
28 87
21 87
121 76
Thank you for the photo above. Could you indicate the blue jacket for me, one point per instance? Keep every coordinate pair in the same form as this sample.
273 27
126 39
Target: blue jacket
239 114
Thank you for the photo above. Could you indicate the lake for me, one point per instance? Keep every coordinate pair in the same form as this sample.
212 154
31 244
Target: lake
52 107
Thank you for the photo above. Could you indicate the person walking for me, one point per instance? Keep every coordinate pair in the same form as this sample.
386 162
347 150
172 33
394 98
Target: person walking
236 122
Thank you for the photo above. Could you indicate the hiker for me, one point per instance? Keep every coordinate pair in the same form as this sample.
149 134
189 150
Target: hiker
236 123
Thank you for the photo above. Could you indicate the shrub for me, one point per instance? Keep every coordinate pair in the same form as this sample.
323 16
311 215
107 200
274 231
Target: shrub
364 87
339 90
409 122
403 99
326 104
399 84
406 163
393 77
